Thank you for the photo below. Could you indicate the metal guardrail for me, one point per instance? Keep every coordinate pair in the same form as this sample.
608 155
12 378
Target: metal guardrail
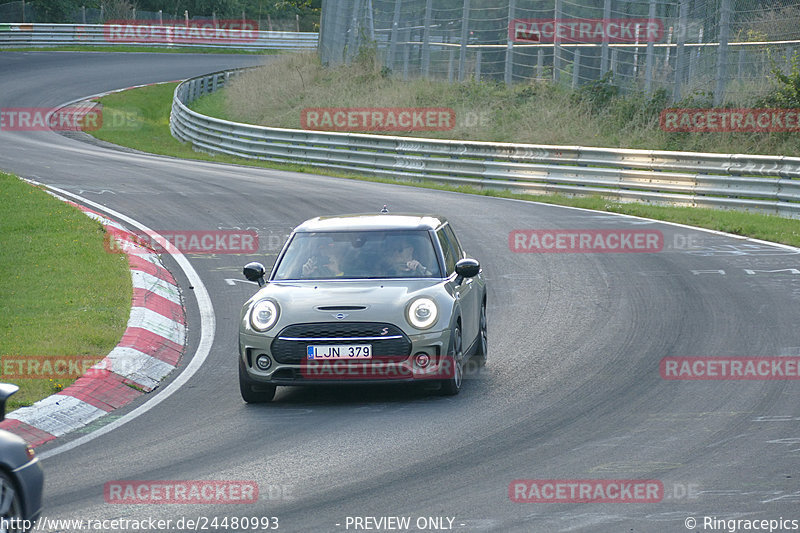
769 184
23 35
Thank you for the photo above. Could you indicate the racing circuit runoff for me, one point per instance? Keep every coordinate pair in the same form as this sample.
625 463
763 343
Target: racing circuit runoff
569 426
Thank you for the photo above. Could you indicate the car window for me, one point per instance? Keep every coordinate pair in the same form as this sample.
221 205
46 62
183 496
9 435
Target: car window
359 255
451 236
449 251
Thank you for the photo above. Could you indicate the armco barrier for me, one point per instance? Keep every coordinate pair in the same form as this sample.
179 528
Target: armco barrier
769 184
24 35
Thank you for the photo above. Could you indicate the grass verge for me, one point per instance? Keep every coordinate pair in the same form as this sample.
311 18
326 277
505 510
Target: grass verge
152 106
141 49
63 294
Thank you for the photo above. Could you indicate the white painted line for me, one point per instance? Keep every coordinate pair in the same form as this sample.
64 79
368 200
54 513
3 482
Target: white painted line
58 414
142 317
136 366
163 288
207 331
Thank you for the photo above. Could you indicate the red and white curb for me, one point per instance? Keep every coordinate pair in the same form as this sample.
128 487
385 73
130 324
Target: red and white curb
150 349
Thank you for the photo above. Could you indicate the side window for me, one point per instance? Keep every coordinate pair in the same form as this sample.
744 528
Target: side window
449 251
454 241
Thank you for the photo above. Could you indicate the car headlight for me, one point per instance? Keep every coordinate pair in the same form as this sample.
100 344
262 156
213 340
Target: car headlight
422 313
263 315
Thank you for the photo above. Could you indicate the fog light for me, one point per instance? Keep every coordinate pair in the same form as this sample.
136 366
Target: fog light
422 360
263 362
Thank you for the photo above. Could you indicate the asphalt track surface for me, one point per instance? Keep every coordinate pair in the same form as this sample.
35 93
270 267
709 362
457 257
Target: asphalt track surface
571 391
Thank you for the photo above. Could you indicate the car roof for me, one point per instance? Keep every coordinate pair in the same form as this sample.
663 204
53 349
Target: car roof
372 222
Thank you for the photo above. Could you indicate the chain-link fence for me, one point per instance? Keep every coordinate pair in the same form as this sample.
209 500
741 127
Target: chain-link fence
717 49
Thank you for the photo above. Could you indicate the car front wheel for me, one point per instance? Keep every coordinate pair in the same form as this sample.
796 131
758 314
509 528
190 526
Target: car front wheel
452 385
252 391
10 506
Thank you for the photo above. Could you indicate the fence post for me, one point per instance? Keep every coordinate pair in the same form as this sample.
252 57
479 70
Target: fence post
395 31
478 65
451 59
426 40
576 67
614 55
370 21
462 57
352 33
651 50
509 74
539 63
680 60
740 66
694 56
406 54
556 42
604 51
722 52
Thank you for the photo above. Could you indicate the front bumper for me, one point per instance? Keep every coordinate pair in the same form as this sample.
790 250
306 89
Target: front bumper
383 368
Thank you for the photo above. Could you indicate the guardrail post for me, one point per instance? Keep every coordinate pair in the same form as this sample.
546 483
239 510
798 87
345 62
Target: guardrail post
478 65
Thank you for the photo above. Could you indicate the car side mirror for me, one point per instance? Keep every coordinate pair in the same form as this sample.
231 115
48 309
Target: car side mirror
255 272
6 390
467 268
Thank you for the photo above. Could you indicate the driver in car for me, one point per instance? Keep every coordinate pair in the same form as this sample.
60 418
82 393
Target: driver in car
326 264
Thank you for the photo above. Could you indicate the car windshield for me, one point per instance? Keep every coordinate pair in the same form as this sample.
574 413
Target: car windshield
359 255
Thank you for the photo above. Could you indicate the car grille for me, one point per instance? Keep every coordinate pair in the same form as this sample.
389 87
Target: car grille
389 343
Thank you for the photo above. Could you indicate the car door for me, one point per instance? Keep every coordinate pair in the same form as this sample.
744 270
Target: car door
465 291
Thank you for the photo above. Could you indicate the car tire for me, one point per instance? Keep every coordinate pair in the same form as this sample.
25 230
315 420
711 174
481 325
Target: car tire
253 391
10 504
483 345
452 385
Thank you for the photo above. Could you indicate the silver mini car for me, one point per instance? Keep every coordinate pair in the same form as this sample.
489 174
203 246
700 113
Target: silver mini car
363 299
21 476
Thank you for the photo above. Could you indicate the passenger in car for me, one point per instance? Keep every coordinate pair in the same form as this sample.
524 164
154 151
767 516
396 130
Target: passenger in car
402 261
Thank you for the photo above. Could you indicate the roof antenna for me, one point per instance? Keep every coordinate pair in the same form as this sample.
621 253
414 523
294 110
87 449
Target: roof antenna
385 209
